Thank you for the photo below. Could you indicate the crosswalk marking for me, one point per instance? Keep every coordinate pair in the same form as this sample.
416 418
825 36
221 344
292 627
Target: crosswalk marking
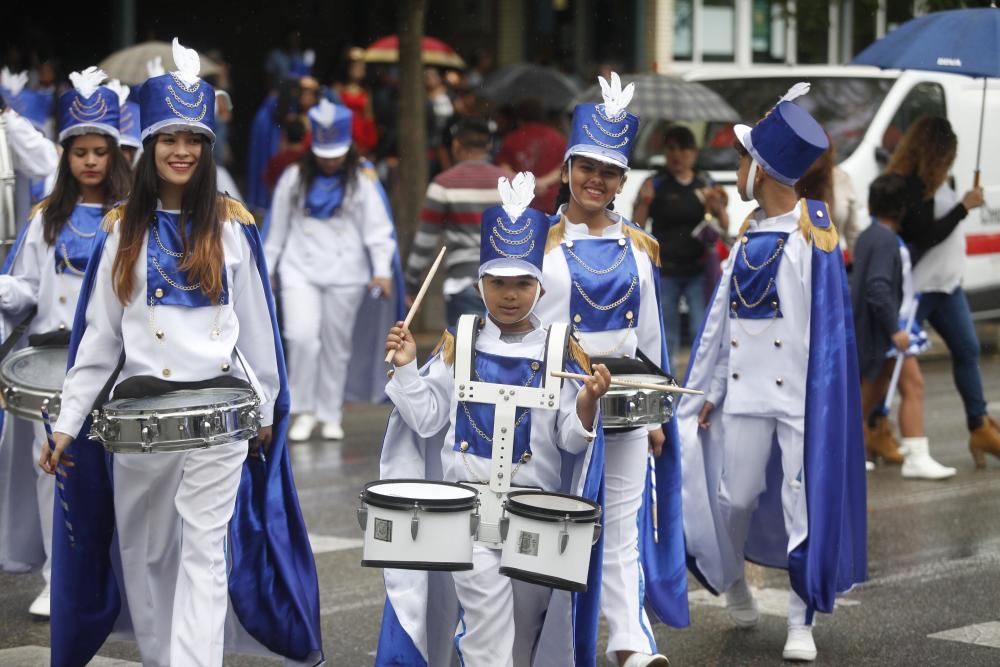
981 634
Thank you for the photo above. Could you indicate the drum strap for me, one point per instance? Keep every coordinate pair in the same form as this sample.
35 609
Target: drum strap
102 397
17 333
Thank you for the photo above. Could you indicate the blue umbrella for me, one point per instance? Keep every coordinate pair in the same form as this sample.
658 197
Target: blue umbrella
959 41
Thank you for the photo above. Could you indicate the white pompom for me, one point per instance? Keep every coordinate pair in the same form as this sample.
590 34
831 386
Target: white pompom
121 90
798 90
88 81
516 195
188 63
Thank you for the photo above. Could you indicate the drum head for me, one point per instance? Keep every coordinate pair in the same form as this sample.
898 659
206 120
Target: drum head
645 379
185 399
39 368
403 493
554 506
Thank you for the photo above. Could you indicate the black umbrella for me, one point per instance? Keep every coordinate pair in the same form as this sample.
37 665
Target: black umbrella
525 80
662 97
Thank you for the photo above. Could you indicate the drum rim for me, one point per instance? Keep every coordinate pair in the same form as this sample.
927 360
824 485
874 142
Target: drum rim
24 388
592 513
428 504
111 409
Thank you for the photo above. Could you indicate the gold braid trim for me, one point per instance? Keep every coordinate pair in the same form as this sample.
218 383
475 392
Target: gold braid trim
231 209
555 237
112 218
578 355
446 347
824 238
38 208
745 226
370 173
643 242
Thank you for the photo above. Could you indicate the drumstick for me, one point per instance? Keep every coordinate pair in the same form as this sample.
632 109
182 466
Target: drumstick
652 479
629 383
59 483
420 297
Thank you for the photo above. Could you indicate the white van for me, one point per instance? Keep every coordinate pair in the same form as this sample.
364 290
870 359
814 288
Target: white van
866 110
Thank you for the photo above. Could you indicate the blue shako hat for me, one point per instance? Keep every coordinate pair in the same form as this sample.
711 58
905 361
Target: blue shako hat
178 100
88 107
605 132
513 236
128 115
787 140
331 129
34 105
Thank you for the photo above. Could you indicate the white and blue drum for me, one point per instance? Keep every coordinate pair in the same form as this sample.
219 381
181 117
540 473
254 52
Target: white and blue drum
548 538
414 524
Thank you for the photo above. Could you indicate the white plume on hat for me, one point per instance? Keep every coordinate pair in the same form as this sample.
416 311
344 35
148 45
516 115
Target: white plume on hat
121 90
323 113
516 195
798 90
188 63
88 81
154 67
615 99
15 83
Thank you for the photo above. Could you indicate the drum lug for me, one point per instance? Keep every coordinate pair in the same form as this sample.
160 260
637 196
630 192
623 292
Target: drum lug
597 533
11 396
415 521
564 536
504 526
474 521
250 419
363 516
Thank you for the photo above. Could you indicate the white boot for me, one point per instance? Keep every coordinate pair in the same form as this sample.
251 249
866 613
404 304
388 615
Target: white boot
799 645
741 606
332 431
303 427
919 464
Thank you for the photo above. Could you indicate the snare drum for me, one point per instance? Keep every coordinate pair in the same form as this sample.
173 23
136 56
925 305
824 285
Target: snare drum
629 407
32 376
548 538
414 524
177 421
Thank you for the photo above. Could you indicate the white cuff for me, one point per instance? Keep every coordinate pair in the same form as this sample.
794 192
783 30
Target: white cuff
407 376
69 423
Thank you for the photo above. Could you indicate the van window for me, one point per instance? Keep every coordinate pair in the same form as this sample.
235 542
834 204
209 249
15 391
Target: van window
844 106
924 99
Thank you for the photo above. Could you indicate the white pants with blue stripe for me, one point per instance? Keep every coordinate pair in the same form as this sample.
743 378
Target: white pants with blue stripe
625 461
501 618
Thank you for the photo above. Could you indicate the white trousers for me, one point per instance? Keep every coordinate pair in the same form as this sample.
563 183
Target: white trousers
45 491
319 326
501 618
745 455
622 604
172 512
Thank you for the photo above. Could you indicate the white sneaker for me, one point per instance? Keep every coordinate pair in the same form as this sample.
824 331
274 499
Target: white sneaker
333 432
741 606
302 429
646 660
918 463
800 645
40 607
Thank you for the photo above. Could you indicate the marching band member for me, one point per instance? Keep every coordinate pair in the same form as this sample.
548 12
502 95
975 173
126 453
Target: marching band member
601 275
130 140
176 296
330 243
44 271
431 422
774 468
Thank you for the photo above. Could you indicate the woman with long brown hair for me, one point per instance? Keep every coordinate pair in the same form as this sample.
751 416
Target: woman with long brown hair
931 230
49 259
177 298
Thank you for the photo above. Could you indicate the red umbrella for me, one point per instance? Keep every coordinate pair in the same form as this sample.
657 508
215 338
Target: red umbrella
433 52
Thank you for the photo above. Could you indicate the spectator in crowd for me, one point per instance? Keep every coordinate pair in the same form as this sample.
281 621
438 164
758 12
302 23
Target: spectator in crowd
293 146
439 110
353 93
456 199
827 182
465 105
535 147
931 229
688 212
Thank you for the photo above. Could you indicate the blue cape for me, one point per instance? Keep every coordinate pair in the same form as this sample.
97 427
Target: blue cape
832 558
272 580
265 136
405 454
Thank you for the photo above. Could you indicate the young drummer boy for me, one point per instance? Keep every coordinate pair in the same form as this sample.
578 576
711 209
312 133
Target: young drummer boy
510 349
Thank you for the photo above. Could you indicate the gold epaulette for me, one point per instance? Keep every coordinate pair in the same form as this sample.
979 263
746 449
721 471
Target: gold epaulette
745 226
232 209
369 172
555 236
825 238
577 354
446 347
112 218
38 208
643 242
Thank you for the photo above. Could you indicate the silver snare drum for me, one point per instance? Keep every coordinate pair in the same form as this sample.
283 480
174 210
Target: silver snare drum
32 376
629 407
177 421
